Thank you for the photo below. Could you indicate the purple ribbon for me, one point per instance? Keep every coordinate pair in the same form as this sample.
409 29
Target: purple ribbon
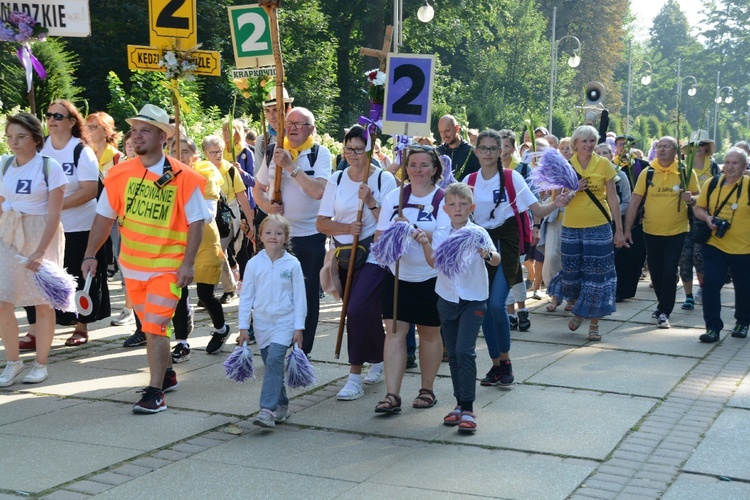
29 61
400 143
372 127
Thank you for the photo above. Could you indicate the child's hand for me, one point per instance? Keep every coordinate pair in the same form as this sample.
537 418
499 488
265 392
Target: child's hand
297 339
243 337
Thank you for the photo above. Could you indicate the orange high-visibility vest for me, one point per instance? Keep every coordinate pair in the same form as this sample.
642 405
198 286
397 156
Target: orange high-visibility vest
154 230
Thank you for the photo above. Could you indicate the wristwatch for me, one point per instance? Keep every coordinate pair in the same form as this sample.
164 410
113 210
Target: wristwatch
489 256
375 207
295 172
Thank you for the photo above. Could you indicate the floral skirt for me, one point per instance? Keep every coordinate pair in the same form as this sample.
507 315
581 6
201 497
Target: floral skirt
20 234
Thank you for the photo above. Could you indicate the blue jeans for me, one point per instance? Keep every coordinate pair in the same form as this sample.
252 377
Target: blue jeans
310 251
715 264
460 324
273 392
496 326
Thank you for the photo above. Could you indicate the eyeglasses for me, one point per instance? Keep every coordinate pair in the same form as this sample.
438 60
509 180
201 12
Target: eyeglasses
93 127
57 116
664 146
296 125
485 149
214 153
354 151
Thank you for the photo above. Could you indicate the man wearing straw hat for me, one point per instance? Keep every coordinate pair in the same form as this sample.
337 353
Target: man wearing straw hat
159 202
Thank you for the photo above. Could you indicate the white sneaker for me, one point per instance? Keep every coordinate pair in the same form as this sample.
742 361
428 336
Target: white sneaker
663 321
351 391
282 414
375 374
266 418
126 317
12 369
37 374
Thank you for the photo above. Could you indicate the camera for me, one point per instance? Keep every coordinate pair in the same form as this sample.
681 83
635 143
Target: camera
722 226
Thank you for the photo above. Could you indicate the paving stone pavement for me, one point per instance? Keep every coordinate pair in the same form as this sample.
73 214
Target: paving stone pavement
646 413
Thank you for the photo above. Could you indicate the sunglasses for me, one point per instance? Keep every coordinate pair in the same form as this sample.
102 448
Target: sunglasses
58 117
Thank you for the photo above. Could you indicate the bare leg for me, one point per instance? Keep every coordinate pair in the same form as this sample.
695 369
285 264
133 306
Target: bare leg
355 369
394 355
159 358
430 353
9 331
45 320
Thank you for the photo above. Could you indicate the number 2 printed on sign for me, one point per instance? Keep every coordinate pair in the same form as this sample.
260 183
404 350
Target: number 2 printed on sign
168 19
251 44
408 94
405 104
251 36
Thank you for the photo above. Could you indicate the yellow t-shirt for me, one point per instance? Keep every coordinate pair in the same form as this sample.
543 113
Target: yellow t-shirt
737 238
581 211
661 217
703 173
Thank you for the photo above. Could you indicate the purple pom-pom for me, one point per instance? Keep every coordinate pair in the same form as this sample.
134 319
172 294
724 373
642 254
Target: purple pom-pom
393 243
448 177
455 253
239 364
56 285
299 371
553 172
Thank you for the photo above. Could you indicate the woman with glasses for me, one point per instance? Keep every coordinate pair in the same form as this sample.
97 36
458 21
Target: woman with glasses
496 211
104 139
69 144
31 198
360 183
422 206
588 275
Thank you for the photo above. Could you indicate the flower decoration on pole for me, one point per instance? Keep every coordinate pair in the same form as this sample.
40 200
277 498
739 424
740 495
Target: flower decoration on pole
23 29
178 65
376 92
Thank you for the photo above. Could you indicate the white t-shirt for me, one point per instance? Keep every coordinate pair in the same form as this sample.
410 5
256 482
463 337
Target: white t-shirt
81 217
300 209
196 209
486 193
473 283
24 189
341 203
413 267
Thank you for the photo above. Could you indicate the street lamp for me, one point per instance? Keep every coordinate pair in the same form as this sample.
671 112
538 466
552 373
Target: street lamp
691 91
645 80
573 62
426 12
717 100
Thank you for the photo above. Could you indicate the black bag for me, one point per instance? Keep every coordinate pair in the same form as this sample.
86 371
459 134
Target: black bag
344 252
224 216
701 232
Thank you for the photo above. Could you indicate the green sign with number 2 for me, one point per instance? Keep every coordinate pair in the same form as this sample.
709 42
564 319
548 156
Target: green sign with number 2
251 36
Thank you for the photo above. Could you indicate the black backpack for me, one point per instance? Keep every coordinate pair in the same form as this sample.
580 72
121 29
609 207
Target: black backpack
224 216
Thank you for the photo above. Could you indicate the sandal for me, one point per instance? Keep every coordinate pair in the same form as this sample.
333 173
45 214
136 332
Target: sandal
536 295
570 305
391 404
77 338
594 333
27 343
425 399
689 304
453 418
468 422
553 305
575 322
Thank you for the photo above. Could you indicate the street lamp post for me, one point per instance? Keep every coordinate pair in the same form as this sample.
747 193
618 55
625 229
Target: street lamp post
424 14
691 91
573 62
645 80
717 100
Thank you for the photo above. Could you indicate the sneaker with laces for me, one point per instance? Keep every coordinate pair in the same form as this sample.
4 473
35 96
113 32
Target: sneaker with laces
710 337
506 373
265 418
135 340
170 381
217 340
739 331
282 414
152 401
38 374
11 371
492 378
663 321
513 320
126 317
524 323
180 353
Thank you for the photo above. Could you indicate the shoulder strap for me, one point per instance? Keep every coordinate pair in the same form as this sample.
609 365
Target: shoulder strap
313 156
77 153
510 188
436 199
269 152
8 163
45 167
595 199
472 179
407 195
338 179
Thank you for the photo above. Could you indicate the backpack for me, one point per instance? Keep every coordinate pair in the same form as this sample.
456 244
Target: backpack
525 235
436 199
45 167
224 216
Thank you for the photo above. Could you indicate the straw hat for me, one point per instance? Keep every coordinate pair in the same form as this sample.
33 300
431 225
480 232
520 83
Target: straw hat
153 115
700 137
272 98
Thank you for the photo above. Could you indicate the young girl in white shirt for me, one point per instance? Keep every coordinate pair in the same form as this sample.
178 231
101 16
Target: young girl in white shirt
273 291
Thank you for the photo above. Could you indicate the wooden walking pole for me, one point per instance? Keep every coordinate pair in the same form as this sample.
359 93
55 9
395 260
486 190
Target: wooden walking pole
348 285
271 6
395 274
177 134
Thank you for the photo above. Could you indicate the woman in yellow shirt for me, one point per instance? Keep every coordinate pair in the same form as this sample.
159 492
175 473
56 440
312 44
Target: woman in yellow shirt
588 265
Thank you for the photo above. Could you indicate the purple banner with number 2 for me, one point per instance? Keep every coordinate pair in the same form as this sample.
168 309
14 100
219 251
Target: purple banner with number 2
409 89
